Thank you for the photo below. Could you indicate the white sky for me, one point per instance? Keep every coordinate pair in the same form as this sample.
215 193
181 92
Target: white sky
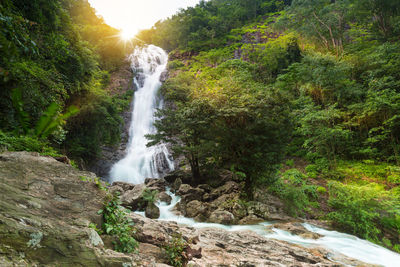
133 15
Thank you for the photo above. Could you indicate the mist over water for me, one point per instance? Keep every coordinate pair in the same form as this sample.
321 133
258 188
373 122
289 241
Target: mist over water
140 162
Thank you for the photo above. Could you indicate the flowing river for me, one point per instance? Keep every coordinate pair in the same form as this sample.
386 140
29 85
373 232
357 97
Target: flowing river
140 162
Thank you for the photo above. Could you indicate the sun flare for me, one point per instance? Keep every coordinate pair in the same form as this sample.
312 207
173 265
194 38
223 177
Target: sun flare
127 34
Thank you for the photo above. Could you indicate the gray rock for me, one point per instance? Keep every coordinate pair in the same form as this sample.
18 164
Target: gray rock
156 184
296 228
133 198
152 211
94 238
227 188
164 197
189 193
176 184
251 219
222 217
195 208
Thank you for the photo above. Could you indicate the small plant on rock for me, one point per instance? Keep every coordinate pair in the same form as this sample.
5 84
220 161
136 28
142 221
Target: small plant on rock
174 250
150 196
117 224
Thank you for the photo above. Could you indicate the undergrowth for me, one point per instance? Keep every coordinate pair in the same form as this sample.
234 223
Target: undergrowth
118 225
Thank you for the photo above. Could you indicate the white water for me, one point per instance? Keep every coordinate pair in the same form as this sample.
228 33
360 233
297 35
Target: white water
142 162
345 244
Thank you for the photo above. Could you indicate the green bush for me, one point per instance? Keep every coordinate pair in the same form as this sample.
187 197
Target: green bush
174 250
117 224
150 195
321 190
293 189
363 210
11 142
289 162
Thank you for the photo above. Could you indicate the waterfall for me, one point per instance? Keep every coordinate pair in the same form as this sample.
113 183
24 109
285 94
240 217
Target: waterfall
140 162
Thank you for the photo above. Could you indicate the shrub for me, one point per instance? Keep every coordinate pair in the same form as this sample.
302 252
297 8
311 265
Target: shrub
290 162
11 142
362 210
321 190
117 224
293 189
174 250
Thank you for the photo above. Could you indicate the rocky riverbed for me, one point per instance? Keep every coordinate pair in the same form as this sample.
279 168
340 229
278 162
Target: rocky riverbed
47 206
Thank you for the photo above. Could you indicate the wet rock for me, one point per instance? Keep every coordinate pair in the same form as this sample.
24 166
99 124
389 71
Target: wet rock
132 199
251 219
155 184
124 185
164 76
222 217
176 184
238 248
189 193
184 176
195 208
296 228
228 188
164 197
267 212
205 187
152 211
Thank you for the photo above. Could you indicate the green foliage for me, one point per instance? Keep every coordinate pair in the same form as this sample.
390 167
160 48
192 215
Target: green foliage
224 118
174 250
379 172
55 53
297 194
204 27
12 142
363 210
96 180
289 162
98 123
117 224
150 195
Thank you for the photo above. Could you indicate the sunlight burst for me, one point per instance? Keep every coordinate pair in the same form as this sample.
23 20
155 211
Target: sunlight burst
127 34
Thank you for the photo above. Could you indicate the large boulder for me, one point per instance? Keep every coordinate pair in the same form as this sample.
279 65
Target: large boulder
164 197
133 199
267 212
196 209
234 248
184 176
296 228
228 188
46 208
222 217
156 184
189 193
152 211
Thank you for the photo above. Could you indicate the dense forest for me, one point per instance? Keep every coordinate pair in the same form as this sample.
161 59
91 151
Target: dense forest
56 59
301 98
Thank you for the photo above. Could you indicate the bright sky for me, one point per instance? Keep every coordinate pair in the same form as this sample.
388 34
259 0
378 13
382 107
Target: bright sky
133 15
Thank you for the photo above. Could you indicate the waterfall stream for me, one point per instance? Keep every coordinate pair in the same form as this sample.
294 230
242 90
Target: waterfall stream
140 162
143 162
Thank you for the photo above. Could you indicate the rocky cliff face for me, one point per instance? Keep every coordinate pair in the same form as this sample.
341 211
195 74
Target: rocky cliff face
121 81
45 210
46 207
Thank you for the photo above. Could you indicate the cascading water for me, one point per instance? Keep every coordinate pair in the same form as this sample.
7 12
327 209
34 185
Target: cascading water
345 244
140 162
